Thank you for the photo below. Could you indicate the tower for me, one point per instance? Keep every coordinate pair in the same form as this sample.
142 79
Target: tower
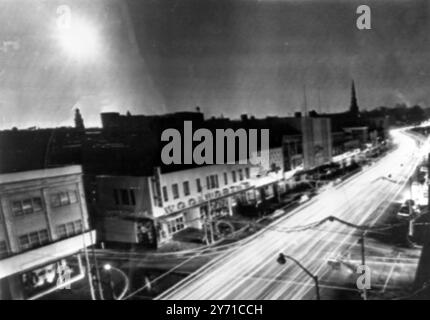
79 121
353 108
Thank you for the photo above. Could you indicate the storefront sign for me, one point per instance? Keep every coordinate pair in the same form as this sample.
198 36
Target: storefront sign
181 205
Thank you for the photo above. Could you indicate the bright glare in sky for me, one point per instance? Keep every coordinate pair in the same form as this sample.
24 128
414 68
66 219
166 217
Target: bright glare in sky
80 41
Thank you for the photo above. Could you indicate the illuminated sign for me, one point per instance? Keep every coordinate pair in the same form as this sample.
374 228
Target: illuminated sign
50 277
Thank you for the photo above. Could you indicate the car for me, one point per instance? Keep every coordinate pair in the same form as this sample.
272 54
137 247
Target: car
404 213
408 210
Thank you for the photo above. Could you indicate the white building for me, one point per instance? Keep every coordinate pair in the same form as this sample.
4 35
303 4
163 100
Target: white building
150 210
43 228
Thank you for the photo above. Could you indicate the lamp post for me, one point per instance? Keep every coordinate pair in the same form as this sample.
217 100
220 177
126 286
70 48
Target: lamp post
282 259
361 241
208 219
109 268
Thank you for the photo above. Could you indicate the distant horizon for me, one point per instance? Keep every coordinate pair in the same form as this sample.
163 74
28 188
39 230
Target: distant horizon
238 117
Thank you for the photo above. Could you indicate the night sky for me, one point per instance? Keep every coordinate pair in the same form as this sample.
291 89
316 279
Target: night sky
227 56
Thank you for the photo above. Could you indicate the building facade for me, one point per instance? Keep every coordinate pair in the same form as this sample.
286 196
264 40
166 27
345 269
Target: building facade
150 210
43 228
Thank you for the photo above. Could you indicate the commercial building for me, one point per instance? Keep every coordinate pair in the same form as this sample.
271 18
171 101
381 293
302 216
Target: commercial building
43 231
317 142
150 210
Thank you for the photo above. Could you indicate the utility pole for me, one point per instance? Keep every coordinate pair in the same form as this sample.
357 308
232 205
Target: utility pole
363 262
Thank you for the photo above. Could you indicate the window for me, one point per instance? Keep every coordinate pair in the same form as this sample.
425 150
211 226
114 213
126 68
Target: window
165 195
240 174
186 186
61 231
124 197
233 175
3 249
175 191
43 236
64 198
69 229
33 239
176 225
225 178
212 179
37 204
132 197
247 173
24 242
116 196
73 198
27 206
17 208
199 185
78 226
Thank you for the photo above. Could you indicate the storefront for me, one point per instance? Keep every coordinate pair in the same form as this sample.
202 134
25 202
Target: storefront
42 280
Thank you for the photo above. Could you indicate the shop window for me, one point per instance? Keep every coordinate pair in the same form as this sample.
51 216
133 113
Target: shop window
176 225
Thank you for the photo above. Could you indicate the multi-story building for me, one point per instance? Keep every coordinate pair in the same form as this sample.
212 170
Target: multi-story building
150 210
43 229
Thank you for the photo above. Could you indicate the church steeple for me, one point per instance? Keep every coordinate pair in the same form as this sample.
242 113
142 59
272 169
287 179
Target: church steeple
353 108
79 121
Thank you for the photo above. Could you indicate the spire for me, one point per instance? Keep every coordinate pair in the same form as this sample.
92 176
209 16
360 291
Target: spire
354 106
79 121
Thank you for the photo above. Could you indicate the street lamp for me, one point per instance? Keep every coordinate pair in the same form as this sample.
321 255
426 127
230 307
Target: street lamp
282 259
109 268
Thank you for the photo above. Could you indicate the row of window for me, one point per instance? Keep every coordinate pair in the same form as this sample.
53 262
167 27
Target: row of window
27 206
69 229
65 198
212 182
34 239
125 197
39 238
32 205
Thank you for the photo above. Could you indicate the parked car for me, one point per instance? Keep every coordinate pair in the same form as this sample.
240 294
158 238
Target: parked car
408 210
